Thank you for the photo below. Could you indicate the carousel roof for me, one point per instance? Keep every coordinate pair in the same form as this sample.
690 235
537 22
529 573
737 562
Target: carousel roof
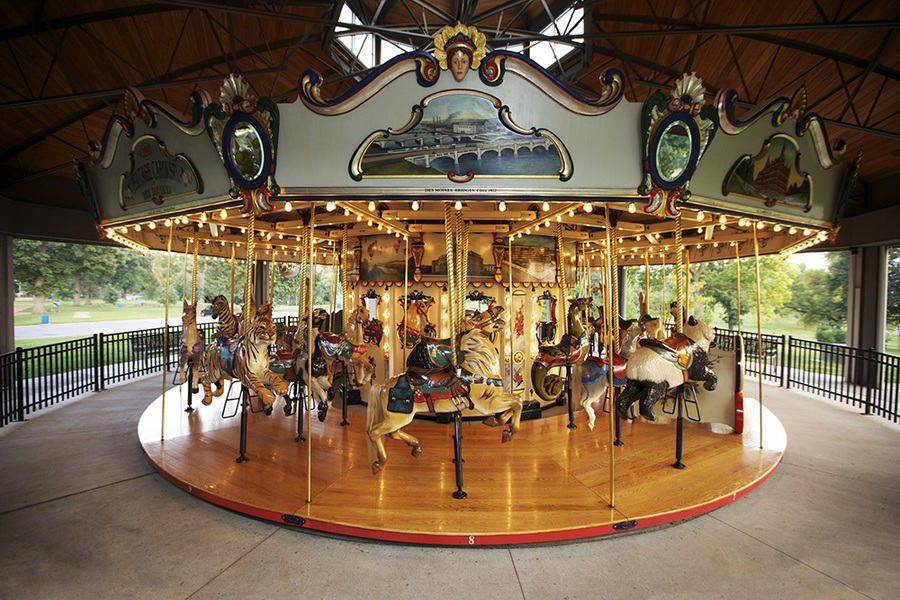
67 63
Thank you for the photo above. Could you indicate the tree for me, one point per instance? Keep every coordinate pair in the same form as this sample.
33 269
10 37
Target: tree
720 284
41 269
893 292
820 298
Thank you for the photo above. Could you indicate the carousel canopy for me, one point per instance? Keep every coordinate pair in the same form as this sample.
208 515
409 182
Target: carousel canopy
72 61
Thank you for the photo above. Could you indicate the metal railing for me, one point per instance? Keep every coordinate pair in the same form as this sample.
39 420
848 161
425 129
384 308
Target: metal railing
34 378
855 376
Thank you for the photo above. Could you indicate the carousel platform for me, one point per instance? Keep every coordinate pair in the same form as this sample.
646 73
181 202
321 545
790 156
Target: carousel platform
549 484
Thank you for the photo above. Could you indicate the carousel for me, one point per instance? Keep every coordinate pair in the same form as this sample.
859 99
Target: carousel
472 378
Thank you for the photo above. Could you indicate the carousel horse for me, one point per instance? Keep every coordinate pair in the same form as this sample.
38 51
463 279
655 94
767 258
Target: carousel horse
320 382
354 353
415 324
246 359
431 384
228 323
594 371
571 349
191 357
660 365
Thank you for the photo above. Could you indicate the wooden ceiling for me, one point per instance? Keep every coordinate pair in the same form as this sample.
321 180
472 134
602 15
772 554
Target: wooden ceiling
65 63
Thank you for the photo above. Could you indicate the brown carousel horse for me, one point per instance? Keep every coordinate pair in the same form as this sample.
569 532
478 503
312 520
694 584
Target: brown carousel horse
190 360
573 348
431 384
228 323
415 324
246 359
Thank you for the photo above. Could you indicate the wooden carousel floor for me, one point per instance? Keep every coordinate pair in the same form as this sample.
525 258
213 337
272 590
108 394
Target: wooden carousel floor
550 483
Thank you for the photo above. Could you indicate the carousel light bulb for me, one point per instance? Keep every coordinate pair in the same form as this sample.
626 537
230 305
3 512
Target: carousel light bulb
722 219
701 215
457 205
237 245
632 208
397 234
732 244
715 244
698 246
223 214
571 213
637 238
742 222
167 222
545 206
528 231
137 227
792 230
699 230
152 224
415 205
546 223
380 227
760 225
369 222
588 207
807 231
559 218
330 206
123 230
723 227
206 242
502 206
777 228
358 218
280 236
346 212
221 242
372 206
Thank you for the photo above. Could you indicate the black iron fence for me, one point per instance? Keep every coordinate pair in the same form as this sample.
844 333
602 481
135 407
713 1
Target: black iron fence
855 376
34 378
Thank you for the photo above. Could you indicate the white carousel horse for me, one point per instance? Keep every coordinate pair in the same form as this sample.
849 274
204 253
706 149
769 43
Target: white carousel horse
660 365
191 357
430 384
594 371
322 375
246 359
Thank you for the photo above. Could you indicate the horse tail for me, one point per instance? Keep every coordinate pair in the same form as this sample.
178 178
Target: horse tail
548 387
374 416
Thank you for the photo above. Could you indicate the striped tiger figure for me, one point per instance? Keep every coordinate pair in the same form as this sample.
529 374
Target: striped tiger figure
228 323
246 359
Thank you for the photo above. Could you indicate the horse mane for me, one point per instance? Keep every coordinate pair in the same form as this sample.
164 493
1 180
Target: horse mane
478 353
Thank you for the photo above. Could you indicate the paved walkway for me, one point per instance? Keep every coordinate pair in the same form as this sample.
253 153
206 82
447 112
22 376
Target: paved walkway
82 515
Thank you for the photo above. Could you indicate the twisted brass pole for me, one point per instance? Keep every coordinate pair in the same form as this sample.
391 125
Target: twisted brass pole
679 283
759 348
610 354
194 276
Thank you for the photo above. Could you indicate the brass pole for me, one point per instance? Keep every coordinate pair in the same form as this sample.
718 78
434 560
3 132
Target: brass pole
231 298
184 262
272 280
664 311
610 354
737 260
561 262
451 277
758 334
687 283
309 347
162 431
194 276
405 294
248 276
679 279
334 282
646 279
511 317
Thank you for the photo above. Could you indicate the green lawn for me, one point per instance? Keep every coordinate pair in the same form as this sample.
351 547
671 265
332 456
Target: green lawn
98 311
44 341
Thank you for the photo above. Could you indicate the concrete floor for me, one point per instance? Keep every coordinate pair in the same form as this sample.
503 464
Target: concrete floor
82 515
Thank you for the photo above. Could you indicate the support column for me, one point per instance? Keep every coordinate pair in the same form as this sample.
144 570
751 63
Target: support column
7 295
867 301
261 283
620 277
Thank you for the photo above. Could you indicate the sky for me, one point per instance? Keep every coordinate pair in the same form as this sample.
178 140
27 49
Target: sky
812 260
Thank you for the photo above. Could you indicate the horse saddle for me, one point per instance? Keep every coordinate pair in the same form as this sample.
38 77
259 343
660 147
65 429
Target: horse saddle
430 353
226 352
567 350
619 365
677 348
